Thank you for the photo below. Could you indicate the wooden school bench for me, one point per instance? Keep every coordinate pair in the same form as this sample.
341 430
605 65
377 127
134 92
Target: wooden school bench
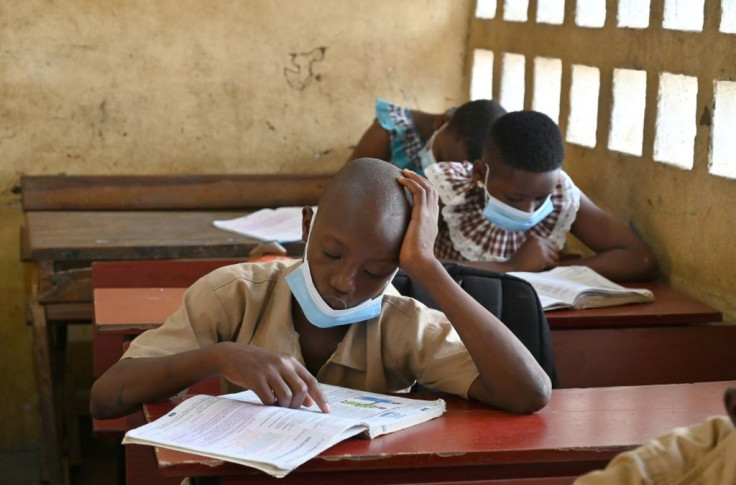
74 220
578 431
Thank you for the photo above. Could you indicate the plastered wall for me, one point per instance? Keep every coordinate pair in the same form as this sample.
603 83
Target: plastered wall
687 216
255 86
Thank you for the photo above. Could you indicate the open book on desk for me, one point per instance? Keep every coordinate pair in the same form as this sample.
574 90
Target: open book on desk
580 287
283 224
239 428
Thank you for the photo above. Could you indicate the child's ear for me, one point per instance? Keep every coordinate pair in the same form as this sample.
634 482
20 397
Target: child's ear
730 399
307 214
479 171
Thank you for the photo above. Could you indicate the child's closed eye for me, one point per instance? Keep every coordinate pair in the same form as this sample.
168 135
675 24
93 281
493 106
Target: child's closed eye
374 275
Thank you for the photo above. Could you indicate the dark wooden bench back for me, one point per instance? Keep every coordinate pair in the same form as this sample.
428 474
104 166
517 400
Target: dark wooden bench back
169 192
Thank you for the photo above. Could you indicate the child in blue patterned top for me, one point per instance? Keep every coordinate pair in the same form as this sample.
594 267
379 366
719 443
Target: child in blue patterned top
415 139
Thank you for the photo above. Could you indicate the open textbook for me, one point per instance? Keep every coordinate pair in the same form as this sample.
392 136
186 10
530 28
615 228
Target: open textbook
239 428
283 224
580 287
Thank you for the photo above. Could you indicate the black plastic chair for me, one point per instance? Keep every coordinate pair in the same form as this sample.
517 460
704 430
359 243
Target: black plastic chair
511 299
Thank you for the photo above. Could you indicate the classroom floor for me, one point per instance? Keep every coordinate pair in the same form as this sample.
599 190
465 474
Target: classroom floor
100 462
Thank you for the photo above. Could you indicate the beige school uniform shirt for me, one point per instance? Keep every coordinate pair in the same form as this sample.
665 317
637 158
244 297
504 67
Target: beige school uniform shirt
250 303
703 454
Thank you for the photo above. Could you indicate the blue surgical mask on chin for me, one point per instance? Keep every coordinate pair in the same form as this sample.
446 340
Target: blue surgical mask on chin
510 218
426 155
317 311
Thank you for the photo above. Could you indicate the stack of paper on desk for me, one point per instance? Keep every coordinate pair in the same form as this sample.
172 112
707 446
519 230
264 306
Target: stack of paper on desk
283 224
580 287
238 428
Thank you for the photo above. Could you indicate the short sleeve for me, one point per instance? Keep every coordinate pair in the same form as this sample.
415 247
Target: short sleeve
405 139
567 199
426 345
384 116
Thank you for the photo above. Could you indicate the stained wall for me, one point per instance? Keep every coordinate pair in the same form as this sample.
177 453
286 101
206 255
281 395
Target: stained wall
257 86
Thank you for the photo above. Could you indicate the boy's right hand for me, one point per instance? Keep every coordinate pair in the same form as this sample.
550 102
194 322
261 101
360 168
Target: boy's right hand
417 248
276 378
535 254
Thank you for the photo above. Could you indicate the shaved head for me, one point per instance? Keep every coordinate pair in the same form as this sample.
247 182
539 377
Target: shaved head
355 238
365 193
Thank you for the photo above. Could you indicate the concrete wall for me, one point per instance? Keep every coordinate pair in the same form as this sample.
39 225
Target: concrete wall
187 86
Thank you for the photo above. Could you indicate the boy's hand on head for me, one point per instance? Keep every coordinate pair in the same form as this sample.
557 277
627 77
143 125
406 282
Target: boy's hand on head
418 246
276 378
535 254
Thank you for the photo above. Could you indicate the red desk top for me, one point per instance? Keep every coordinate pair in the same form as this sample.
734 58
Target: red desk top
129 310
670 307
580 428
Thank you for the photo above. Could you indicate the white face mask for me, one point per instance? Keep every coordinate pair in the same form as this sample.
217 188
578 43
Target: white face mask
510 218
317 311
426 155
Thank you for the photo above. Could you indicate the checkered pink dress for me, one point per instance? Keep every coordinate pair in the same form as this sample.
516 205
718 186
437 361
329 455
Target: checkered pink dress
464 233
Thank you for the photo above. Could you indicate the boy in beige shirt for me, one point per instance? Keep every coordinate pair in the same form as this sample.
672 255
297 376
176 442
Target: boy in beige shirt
279 328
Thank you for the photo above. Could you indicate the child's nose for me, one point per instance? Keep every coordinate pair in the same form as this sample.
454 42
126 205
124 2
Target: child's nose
344 281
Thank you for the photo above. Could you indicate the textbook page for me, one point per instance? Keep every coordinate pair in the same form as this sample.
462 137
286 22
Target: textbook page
379 413
271 439
580 287
283 224
239 428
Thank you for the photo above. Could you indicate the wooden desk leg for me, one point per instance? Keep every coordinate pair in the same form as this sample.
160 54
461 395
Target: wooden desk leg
54 467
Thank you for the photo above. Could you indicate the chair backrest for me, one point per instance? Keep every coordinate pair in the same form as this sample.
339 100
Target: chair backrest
511 299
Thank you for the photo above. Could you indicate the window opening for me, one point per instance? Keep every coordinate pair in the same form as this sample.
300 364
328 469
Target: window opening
481 81
582 123
683 15
547 80
723 141
627 116
512 82
674 139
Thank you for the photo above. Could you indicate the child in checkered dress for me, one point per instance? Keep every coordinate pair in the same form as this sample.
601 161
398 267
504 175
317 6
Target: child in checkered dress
512 209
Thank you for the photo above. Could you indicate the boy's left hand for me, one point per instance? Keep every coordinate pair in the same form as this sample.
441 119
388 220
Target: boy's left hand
418 246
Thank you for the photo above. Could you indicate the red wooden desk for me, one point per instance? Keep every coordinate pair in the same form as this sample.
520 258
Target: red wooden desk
579 430
661 342
670 307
